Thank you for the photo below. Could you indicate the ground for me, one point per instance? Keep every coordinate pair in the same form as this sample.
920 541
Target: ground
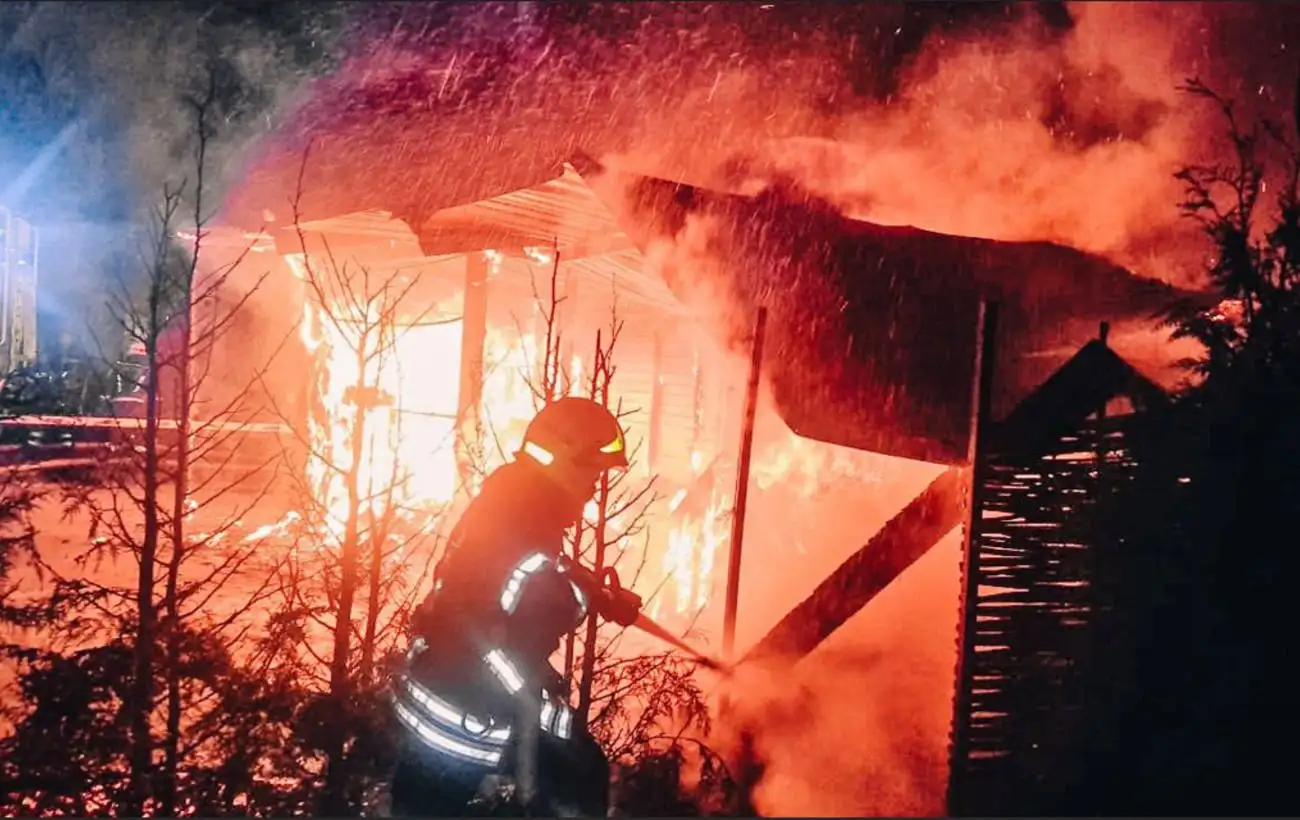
62 539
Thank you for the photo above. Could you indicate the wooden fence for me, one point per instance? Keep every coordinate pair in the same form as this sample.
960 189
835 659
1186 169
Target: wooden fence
1037 603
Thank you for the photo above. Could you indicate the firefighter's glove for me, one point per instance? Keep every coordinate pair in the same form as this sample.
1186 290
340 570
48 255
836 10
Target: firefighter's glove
622 606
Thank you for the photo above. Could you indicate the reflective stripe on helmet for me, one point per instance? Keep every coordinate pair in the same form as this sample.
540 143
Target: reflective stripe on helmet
615 446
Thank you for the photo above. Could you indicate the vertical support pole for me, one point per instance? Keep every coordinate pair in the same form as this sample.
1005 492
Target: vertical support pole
468 410
697 401
742 487
655 449
981 402
1098 647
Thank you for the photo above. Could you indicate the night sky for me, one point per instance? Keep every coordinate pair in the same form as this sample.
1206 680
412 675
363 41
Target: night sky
108 78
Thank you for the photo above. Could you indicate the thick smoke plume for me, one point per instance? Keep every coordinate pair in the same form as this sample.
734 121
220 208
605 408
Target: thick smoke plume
1025 132
1034 135
860 727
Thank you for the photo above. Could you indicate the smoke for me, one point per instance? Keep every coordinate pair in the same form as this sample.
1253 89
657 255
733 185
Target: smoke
1025 132
1072 138
127 69
861 726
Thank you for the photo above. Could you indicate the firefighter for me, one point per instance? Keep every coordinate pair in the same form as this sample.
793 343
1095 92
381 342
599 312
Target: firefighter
478 698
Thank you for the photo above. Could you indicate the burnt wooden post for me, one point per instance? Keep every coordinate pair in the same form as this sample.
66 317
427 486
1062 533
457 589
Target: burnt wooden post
981 403
742 488
746 767
468 410
697 402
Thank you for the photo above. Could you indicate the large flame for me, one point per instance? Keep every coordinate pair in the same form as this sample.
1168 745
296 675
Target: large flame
396 386
694 540
406 384
404 380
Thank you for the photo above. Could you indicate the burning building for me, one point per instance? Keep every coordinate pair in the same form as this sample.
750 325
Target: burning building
437 337
871 343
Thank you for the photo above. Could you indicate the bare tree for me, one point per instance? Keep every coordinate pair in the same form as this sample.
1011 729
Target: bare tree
367 531
150 497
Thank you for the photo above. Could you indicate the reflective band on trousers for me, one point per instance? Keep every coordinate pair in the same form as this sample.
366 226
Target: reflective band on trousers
442 742
557 717
460 735
524 570
460 722
448 731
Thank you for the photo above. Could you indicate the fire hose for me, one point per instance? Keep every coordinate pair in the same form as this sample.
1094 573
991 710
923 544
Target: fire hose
623 606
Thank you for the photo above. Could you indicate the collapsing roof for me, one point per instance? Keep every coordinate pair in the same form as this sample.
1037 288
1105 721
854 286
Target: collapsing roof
871 329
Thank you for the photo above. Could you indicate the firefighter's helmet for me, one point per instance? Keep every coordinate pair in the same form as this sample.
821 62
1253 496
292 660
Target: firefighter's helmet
575 440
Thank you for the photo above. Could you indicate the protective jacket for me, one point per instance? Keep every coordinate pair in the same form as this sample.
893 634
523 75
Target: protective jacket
504 597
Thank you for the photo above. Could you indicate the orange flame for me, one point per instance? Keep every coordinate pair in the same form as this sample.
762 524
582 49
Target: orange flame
693 544
403 393
399 387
